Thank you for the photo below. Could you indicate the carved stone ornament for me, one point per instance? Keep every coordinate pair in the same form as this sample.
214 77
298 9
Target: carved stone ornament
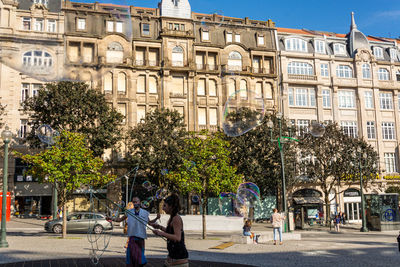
364 55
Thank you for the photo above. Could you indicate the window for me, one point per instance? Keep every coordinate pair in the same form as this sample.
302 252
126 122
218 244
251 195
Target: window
229 37
177 56
38 25
51 25
88 50
115 53
212 88
119 27
24 91
260 40
213 117
296 44
235 61
349 128
388 132
393 54
121 87
304 97
346 99
121 108
302 126
344 71
141 84
205 35
202 119
259 90
23 127
140 113
26 24
108 86
231 87
301 68
326 98
37 58
43 2
324 70
146 29
378 52
320 46
237 38
81 24
201 87
371 134
243 89
110 26
386 100
366 71
390 162
339 49
398 76
35 89
153 85
383 74
368 98
178 85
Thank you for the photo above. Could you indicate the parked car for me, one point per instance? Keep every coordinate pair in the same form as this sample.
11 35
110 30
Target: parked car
81 222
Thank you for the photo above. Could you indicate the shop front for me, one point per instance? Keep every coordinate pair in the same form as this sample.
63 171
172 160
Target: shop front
352 205
308 208
32 199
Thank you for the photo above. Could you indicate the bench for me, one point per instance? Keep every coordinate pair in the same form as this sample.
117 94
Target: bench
265 237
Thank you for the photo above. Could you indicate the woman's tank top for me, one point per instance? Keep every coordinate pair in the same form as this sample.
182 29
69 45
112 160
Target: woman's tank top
176 250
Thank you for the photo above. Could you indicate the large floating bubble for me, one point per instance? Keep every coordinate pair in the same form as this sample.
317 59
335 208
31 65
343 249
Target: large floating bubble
317 129
244 110
52 59
248 194
46 134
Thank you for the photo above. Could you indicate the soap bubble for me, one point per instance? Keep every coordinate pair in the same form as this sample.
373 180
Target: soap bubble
50 58
317 129
244 110
164 171
208 20
46 134
161 193
195 199
145 204
248 194
147 185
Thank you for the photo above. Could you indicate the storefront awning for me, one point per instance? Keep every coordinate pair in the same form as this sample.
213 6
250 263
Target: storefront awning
308 200
32 189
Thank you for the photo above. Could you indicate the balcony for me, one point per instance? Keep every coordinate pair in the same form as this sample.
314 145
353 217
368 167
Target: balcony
302 77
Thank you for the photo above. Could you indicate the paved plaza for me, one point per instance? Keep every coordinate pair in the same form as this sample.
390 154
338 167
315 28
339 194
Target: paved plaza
319 247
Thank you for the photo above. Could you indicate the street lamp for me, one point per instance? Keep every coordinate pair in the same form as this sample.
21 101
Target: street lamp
281 140
6 135
360 167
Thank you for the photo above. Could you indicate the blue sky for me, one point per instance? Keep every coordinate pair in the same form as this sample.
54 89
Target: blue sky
377 18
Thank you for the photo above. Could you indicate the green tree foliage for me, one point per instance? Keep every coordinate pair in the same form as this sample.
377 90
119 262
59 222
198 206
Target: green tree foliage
69 165
156 143
256 153
74 107
2 113
333 159
206 170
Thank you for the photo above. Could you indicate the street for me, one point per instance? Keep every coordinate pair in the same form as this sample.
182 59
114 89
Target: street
28 241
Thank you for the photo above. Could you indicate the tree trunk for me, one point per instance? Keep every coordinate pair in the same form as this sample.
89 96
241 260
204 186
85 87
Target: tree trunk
64 231
204 212
328 209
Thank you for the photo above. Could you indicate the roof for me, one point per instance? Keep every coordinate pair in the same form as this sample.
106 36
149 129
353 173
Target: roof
296 31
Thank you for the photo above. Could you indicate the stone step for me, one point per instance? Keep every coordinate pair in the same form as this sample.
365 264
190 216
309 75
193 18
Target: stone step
265 237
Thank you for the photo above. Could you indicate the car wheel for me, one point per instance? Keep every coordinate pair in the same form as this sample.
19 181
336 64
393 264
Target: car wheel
98 229
57 228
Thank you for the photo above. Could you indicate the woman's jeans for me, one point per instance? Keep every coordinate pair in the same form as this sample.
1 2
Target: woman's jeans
279 230
246 233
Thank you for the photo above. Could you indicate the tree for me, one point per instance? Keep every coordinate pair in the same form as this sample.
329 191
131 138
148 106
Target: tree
73 106
210 172
156 143
258 157
332 159
68 165
2 113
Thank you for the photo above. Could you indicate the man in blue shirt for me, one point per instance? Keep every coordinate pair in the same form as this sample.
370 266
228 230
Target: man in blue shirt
137 220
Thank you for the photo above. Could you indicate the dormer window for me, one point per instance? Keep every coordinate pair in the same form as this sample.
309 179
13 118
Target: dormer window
229 37
320 47
378 52
260 40
339 49
393 54
43 2
205 35
237 38
296 44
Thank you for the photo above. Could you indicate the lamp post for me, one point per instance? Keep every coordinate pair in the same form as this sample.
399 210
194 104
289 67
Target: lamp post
364 222
281 140
6 135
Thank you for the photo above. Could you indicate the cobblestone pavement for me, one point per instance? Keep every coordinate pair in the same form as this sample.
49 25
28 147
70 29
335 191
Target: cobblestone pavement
318 247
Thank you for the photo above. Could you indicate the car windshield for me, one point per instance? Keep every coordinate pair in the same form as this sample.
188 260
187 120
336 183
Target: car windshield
75 217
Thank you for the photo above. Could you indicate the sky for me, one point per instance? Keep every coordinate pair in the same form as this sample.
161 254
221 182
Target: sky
377 18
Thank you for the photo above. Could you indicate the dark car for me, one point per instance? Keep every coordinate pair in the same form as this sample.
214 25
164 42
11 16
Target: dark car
81 222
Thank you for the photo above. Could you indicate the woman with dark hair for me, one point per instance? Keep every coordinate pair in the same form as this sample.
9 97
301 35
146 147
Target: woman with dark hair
177 253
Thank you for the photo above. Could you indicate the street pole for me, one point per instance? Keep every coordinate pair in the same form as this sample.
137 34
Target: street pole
284 203
126 190
55 202
6 135
364 223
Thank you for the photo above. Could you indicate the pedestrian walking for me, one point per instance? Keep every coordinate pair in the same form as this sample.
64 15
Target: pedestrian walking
177 254
336 221
137 220
398 241
277 220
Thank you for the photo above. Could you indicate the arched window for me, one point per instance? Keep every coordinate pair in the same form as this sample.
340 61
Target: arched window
366 71
301 68
212 88
231 87
86 77
243 89
115 53
37 58
121 83
108 83
344 71
152 85
235 61
296 44
177 56
383 74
